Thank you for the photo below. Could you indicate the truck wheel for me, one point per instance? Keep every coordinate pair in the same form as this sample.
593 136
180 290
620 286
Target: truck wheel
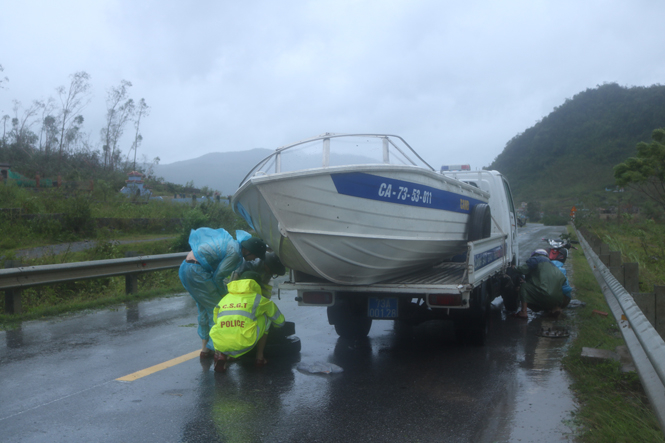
353 327
480 222
282 346
472 328
509 292
477 334
510 301
349 319
289 328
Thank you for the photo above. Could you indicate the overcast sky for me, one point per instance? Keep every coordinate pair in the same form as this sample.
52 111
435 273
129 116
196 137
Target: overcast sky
456 79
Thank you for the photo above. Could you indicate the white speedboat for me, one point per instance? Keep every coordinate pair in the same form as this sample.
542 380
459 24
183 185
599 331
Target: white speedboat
358 223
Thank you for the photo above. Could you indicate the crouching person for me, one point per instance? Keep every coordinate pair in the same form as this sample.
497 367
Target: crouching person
242 320
543 289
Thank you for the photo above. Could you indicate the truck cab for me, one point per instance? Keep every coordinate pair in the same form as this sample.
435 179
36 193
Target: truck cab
504 216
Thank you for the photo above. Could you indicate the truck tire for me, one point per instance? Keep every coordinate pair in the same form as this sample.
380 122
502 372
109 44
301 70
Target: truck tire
480 222
472 328
283 346
509 290
349 319
289 328
478 328
353 328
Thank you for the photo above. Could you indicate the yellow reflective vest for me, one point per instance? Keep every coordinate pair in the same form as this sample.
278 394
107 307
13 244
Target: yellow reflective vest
242 317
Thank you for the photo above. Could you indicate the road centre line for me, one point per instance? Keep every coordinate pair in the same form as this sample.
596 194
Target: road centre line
152 369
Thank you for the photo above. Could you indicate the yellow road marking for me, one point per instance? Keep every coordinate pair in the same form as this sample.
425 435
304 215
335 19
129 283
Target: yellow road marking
152 369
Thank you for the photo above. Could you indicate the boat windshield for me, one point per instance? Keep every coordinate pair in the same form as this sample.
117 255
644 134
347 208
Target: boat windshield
339 150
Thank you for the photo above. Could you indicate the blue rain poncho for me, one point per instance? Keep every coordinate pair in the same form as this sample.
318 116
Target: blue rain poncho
567 290
218 255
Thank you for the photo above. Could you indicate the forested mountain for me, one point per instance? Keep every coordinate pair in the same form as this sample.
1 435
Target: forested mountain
221 171
570 154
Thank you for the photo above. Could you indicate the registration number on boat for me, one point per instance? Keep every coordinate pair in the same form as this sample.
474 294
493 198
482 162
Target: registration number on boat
384 307
402 193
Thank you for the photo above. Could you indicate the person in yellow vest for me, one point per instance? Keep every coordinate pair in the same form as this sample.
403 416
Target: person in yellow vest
242 319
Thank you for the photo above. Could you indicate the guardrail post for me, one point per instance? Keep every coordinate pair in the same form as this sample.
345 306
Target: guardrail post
631 277
615 267
13 296
131 280
660 309
646 301
604 254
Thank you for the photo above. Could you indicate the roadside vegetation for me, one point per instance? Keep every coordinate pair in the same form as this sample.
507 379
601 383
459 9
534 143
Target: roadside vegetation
640 241
53 300
612 405
78 213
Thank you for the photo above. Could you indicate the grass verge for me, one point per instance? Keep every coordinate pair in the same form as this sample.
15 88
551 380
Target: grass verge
612 405
50 300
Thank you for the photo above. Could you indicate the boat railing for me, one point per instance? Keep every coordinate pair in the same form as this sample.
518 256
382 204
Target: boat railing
391 152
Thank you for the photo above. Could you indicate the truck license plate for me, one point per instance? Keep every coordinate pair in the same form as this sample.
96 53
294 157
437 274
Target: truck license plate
382 307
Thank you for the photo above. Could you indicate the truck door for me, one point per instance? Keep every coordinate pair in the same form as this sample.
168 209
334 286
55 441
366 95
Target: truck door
513 220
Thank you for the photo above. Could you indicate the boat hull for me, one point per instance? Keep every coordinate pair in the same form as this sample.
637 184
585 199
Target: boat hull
359 224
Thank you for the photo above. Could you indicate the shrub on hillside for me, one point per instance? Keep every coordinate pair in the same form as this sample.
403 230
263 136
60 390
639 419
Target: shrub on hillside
555 220
77 217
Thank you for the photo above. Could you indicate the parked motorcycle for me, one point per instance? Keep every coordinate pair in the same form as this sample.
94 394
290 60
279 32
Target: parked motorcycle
559 249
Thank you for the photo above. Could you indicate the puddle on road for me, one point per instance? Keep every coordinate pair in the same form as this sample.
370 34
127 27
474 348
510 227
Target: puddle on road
539 405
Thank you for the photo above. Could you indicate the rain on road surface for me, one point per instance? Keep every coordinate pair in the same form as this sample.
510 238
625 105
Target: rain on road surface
58 381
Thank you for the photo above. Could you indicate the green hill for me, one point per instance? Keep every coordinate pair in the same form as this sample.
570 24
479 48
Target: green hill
568 156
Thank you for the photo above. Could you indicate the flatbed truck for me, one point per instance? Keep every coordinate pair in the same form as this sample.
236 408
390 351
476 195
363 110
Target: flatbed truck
459 290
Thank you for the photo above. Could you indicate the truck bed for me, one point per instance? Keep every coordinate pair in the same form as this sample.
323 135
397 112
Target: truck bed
485 257
439 279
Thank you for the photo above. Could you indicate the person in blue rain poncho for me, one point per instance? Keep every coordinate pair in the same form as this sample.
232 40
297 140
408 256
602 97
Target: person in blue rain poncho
566 288
214 256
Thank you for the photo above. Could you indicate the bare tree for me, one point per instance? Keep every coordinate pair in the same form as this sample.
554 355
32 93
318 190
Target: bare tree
74 133
2 79
22 121
119 110
143 110
48 132
5 118
73 100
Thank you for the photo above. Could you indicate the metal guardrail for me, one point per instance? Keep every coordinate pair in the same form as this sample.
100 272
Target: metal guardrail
27 276
12 280
646 346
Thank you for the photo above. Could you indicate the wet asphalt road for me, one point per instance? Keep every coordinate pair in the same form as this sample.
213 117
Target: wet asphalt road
58 381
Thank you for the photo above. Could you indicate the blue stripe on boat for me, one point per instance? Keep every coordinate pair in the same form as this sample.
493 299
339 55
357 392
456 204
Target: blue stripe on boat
374 187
